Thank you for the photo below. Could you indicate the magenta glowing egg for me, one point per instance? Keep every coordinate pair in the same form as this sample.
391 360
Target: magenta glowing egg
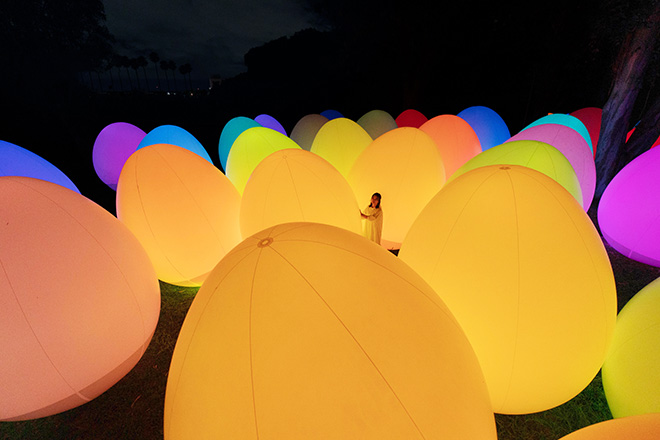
629 210
572 145
270 122
566 120
112 147
410 118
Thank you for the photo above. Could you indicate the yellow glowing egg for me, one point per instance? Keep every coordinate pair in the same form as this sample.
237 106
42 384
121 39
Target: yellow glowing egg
532 154
404 166
308 331
523 269
183 210
79 299
340 141
455 139
641 427
250 148
631 376
305 130
297 185
377 122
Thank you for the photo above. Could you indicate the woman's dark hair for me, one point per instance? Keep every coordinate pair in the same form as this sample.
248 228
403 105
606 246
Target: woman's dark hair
376 195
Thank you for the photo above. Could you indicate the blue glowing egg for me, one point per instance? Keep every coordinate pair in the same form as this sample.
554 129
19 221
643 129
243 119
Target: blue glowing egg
173 135
331 114
489 126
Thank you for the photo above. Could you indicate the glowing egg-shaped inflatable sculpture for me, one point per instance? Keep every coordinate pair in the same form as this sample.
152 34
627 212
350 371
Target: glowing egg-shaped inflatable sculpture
173 135
17 161
455 139
250 148
305 130
183 210
270 122
340 141
567 121
308 331
524 271
572 145
296 185
642 427
629 209
377 122
532 154
112 147
331 114
410 118
591 117
631 377
80 299
232 129
405 167
487 124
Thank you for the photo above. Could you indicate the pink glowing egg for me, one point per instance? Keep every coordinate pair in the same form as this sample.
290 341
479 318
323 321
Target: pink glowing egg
572 145
410 118
591 118
79 299
112 147
305 130
455 139
629 210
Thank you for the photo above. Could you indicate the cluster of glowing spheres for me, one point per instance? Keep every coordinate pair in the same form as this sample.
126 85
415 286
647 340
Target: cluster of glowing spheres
629 208
80 299
296 185
631 377
572 145
567 121
455 139
641 427
270 122
250 148
536 155
377 122
305 130
112 147
525 273
340 141
591 117
410 118
405 167
232 129
173 135
183 210
17 161
487 124
309 331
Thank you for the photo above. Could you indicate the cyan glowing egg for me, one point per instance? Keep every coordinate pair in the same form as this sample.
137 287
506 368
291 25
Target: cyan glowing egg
566 120
457 142
340 141
631 377
250 148
270 122
232 129
173 135
377 122
305 130
629 210
572 145
112 147
591 117
17 161
79 299
410 118
487 124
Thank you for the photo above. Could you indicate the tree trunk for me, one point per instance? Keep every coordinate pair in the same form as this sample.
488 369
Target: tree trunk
629 70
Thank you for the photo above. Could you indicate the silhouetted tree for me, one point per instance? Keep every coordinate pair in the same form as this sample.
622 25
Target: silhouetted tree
185 69
172 66
154 58
165 67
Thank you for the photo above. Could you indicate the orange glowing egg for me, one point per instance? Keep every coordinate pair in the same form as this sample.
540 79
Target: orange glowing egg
455 139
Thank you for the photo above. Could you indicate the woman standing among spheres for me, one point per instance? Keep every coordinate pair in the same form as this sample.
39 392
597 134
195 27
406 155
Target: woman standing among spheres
372 215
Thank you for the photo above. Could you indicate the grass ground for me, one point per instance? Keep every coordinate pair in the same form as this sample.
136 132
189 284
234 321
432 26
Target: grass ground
133 408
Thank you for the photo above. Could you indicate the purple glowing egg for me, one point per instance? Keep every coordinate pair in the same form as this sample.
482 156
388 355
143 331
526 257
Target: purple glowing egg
270 122
112 147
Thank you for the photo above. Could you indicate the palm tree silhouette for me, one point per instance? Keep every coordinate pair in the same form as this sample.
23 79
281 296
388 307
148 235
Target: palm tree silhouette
165 67
142 62
186 69
154 58
172 66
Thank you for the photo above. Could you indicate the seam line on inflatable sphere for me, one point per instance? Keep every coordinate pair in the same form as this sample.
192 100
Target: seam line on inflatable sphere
254 400
295 189
355 341
515 341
